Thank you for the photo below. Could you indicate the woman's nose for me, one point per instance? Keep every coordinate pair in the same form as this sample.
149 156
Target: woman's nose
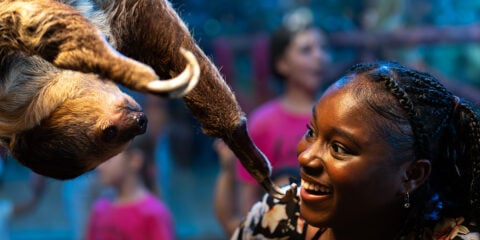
322 55
310 155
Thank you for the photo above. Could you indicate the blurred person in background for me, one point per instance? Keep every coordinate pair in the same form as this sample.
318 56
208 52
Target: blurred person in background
134 211
298 58
9 208
157 111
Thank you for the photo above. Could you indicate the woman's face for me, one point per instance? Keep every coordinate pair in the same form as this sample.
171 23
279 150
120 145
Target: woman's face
304 60
347 168
114 170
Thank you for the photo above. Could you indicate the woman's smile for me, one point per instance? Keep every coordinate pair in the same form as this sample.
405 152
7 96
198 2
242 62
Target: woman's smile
312 190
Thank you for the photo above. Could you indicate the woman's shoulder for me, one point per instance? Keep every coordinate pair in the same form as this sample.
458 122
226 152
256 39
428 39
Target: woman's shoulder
266 109
102 205
152 205
266 116
454 228
271 218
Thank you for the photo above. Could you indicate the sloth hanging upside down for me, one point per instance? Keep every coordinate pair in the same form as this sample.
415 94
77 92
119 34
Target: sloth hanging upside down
61 113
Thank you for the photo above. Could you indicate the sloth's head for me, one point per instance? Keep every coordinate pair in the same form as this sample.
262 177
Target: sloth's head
81 133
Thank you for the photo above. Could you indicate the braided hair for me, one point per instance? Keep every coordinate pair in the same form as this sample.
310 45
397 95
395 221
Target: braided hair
429 122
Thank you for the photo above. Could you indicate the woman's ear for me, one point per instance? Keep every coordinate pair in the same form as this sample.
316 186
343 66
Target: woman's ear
281 66
416 174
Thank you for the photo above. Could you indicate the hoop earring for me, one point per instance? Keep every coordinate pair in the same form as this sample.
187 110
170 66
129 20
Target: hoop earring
406 203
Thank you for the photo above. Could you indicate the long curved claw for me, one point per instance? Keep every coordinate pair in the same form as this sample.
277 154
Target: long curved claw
254 161
278 193
183 83
195 73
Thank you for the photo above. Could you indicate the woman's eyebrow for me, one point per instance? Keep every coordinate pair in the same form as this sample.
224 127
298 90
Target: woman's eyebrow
336 130
342 133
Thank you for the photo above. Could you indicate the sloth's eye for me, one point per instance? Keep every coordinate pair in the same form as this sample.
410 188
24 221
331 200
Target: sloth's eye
109 133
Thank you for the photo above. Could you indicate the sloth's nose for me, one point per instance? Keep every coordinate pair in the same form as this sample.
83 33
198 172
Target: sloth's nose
139 124
141 121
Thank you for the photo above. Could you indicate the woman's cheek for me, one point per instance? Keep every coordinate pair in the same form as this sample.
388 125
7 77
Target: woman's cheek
301 146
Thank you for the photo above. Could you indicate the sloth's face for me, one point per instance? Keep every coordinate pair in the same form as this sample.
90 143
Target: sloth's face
82 133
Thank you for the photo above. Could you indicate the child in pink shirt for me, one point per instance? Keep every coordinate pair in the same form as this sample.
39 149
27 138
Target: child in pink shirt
135 212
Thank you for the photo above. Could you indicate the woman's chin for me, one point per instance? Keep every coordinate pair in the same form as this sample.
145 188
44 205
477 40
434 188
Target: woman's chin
314 217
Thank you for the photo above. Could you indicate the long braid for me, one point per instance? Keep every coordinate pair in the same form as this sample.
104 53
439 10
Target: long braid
438 124
469 123
416 222
407 106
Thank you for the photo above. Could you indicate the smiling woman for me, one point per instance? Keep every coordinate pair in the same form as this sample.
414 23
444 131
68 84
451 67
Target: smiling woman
389 154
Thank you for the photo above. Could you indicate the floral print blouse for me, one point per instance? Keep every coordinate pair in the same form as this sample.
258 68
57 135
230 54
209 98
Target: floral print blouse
272 219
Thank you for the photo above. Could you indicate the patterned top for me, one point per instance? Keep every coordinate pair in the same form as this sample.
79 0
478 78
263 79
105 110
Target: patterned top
272 219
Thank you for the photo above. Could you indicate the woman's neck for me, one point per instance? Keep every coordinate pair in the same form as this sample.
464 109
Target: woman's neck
130 190
370 233
373 227
297 101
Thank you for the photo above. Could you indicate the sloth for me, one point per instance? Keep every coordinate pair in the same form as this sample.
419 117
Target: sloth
56 116
61 111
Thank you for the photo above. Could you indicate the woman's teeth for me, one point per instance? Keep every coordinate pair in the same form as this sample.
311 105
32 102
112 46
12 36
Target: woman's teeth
314 188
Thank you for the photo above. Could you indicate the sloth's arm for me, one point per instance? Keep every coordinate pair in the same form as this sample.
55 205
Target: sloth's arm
62 36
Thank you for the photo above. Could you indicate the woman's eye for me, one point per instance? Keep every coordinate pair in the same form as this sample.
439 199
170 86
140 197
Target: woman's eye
305 50
310 133
339 149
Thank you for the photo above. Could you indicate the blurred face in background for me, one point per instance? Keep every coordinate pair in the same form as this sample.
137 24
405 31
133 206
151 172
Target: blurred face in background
304 60
156 109
113 171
